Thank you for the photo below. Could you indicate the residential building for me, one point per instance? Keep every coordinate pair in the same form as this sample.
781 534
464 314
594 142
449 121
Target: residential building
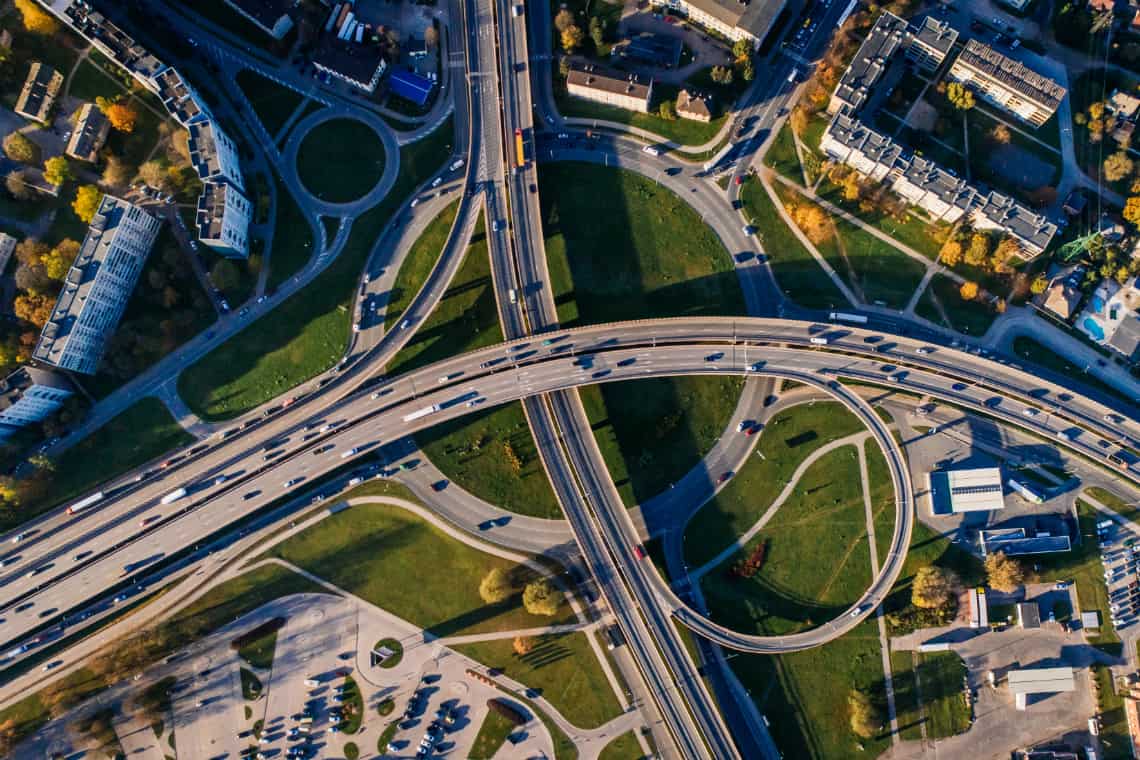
694 106
1061 298
110 40
931 43
270 16
887 37
358 64
91 130
1006 83
1123 105
224 216
1001 213
98 286
180 99
39 91
736 19
613 88
30 395
214 154
1110 316
7 247
973 490
653 49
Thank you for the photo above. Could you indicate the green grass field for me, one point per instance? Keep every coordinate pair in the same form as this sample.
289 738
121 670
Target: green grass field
492 454
652 432
969 317
660 259
340 160
1123 507
377 551
928 689
418 263
788 439
804 695
906 697
562 668
922 236
273 103
824 519
259 652
882 494
797 272
624 747
492 734
139 434
781 156
307 334
1114 736
293 243
680 131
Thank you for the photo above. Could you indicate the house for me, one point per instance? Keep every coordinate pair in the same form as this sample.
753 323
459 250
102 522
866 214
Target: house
1123 105
1110 317
1061 298
270 16
91 130
750 20
39 91
1006 83
695 106
612 88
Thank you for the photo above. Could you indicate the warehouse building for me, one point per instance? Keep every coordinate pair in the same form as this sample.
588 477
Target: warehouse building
1024 683
959 491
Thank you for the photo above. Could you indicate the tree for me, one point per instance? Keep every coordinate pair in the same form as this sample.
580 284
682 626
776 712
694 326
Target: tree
523 645
57 170
59 259
798 119
36 19
1007 249
541 598
1132 210
34 308
86 203
979 250
851 187
667 110
959 97
951 253
721 75
154 174
572 38
496 586
564 20
812 220
1000 134
866 717
16 183
741 49
42 463
225 275
19 148
1117 166
747 70
597 31
968 291
122 117
564 67
1004 573
932 587
1037 287
117 173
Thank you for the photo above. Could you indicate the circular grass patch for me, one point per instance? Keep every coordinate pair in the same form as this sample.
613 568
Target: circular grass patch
396 647
340 160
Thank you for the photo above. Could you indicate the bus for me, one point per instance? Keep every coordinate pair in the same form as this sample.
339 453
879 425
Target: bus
520 152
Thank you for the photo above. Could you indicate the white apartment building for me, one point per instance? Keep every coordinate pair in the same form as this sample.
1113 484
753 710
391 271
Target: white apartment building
214 154
734 19
30 395
98 286
1007 84
224 216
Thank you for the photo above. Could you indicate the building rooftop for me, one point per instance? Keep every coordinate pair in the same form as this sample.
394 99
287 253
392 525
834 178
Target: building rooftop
1028 616
1041 680
694 103
362 64
180 100
876 146
212 208
39 91
266 13
597 78
976 490
753 16
90 133
1033 229
1013 74
1123 104
1126 337
936 34
204 149
410 86
870 62
13 386
1061 298
1016 542
121 46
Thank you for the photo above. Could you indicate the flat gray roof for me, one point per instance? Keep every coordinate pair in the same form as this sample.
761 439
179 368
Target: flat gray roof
90 133
936 34
871 61
13 386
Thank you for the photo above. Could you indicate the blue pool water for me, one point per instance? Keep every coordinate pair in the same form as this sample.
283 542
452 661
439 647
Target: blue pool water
1093 329
1098 304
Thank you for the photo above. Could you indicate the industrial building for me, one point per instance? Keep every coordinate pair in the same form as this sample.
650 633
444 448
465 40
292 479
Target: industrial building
38 93
1039 681
30 395
98 286
611 88
1028 615
1020 542
410 86
958 491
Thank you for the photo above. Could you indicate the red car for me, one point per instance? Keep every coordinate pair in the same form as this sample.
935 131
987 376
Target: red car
738 179
638 552
723 478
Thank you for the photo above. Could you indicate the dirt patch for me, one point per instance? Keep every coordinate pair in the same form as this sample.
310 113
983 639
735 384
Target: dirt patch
922 116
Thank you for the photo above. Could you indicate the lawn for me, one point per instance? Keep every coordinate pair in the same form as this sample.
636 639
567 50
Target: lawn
804 695
789 438
1114 735
272 102
377 552
968 317
492 454
137 435
680 131
1032 351
293 244
782 157
1123 507
922 236
906 697
561 668
308 333
624 747
824 519
251 686
662 261
880 271
652 432
419 262
796 270
466 317
940 676
259 652
340 160
882 492
492 734
353 706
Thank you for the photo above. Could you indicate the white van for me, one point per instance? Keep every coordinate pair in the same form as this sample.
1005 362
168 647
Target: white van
651 150
820 341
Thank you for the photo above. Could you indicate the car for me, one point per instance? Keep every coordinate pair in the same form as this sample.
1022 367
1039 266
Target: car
738 180
51 665
435 182
724 476
439 485
740 428
1029 411
292 482
714 357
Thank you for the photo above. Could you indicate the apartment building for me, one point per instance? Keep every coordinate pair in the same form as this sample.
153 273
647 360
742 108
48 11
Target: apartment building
30 395
735 19
270 16
611 88
98 286
214 154
223 219
887 37
38 93
179 98
1007 84
110 40
931 43
89 135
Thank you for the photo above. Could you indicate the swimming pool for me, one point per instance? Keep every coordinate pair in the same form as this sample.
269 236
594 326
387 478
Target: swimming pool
1098 304
1093 328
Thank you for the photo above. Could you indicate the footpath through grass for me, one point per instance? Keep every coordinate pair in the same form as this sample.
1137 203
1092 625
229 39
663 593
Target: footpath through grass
273 103
968 317
308 333
139 434
824 519
652 432
797 272
562 668
418 263
928 690
788 439
340 160
377 552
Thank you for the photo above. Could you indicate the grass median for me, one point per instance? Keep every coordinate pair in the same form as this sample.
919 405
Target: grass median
273 103
308 333
418 263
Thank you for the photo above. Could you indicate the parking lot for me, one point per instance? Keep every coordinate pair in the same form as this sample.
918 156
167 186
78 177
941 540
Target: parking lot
1120 555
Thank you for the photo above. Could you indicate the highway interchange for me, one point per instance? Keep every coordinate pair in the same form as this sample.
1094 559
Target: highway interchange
79 558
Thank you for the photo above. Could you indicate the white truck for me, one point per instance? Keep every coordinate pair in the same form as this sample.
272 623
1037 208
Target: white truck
173 496
421 413
83 504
